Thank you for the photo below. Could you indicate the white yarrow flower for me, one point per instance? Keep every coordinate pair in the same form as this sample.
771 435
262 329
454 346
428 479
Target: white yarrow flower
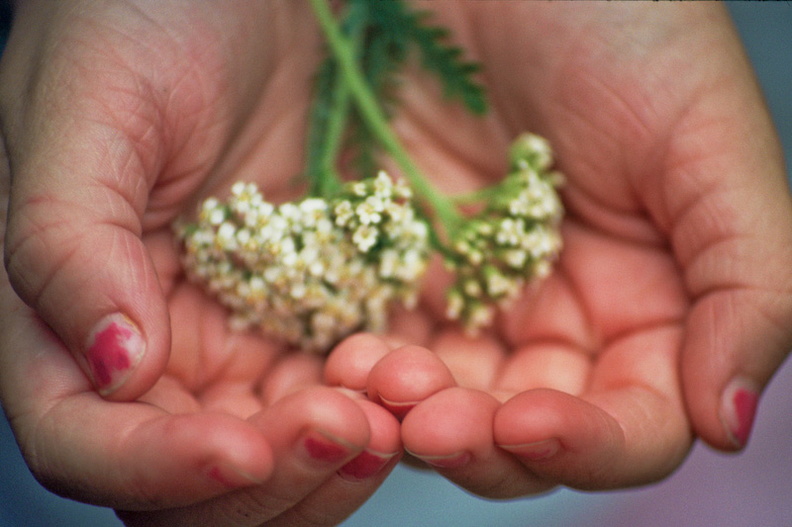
311 272
308 273
513 240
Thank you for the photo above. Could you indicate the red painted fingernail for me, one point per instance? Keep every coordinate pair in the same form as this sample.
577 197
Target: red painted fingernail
323 447
738 409
365 465
114 348
536 451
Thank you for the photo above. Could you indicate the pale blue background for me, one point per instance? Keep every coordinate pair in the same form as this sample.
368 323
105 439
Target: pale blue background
750 489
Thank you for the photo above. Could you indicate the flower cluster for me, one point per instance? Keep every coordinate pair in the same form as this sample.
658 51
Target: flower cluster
513 240
312 272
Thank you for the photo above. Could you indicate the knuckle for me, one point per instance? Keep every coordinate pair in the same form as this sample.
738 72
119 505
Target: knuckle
32 242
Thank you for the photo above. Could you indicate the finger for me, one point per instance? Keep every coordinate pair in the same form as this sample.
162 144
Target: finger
409 326
313 434
350 363
629 428
734 346
290 374
165 461
128 455
384 443
729 218
738 329
549 364
473 361
560 438
355 482
73 248
452 431
735 243
223 367
183 459
406 376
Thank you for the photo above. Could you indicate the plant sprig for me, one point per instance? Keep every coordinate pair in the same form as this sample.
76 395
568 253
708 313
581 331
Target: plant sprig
311 272
514 237
369 46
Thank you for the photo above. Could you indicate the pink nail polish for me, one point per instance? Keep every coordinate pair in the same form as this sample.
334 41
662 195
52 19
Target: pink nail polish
322 448
536 451
114 348
367 464
738 409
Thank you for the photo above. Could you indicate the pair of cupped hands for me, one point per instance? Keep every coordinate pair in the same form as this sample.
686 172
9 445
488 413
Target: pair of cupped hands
667 314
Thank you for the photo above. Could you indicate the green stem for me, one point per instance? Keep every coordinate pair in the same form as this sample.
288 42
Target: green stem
337 120
330 181
477 196
323 136
376 120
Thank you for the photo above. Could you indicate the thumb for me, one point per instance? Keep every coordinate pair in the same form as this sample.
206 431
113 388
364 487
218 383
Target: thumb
739 328
738 334
73 250
733 348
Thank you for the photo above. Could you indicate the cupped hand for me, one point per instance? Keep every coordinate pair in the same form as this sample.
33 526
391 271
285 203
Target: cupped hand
670 307
116 118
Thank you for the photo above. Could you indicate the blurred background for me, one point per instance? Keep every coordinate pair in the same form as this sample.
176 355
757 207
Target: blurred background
753 488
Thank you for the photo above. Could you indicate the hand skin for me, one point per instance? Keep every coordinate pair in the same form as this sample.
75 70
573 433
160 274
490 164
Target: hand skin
675 278
671 305
117 117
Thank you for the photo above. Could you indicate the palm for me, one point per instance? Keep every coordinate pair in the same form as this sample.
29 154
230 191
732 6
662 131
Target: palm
213 368
199 124
608 326
231 123
616 252
231 111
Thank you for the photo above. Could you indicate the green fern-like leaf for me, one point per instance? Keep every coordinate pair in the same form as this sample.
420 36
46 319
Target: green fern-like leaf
438 56
384 33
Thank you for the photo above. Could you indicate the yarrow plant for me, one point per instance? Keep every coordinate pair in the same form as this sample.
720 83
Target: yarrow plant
513 240
312 272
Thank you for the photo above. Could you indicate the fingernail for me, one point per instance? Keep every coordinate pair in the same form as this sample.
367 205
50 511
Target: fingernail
367 464
232 477
536 451
738 409
399 410
115 347
355 395
325 447
450 461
